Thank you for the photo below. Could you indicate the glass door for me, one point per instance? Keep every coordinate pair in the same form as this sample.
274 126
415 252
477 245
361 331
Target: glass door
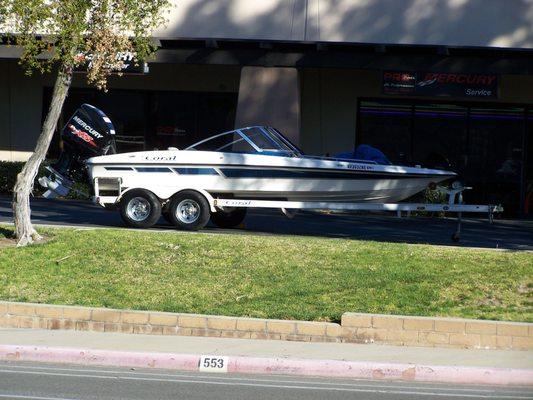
495 156
387 126
440 136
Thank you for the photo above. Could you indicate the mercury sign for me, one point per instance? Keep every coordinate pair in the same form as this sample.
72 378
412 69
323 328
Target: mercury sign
440 84
127 58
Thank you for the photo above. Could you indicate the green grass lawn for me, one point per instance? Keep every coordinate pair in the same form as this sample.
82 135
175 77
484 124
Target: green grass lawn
266 276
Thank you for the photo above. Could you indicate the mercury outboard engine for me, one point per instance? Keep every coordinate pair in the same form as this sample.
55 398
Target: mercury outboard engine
88 133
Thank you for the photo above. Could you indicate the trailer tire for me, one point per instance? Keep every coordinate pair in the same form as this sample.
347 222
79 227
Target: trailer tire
189 210
228 219
140 208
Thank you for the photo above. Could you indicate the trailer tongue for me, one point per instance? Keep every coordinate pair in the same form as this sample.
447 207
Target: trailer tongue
88 133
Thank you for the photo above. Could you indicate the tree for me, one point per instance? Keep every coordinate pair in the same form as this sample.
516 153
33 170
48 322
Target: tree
58 36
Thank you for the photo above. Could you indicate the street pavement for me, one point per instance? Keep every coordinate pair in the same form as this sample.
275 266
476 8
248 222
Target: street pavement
503 234
61 382
39 380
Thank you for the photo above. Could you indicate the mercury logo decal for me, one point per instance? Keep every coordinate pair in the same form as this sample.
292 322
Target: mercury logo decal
427 82
82 135
87 127
469 79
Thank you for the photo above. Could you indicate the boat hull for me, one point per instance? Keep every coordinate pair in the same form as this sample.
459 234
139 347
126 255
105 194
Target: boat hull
364 190
260 183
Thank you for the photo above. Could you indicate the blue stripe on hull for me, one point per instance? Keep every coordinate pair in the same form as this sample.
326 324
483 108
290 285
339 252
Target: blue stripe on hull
280 173
286 174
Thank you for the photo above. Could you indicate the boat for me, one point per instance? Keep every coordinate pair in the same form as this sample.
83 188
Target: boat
256 162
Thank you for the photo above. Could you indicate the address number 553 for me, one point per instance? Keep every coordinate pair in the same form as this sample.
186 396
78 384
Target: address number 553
213 364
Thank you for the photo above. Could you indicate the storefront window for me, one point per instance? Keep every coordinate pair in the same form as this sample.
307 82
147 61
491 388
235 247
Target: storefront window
495 155
439 136
173 117
127 110
147 120
387 126
485 145
180 119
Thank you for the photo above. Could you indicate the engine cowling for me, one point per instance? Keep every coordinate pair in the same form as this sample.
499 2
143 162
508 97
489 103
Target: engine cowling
88 133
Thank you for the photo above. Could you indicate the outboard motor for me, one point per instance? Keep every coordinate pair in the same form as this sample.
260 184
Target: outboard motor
88 133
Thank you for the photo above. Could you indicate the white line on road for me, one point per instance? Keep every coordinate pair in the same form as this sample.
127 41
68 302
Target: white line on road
16 396
273 386
200 376
402 392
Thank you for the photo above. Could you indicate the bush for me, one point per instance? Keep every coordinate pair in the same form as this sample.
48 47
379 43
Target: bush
8 176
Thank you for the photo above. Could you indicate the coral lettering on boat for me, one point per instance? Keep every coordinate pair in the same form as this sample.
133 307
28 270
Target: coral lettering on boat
160 158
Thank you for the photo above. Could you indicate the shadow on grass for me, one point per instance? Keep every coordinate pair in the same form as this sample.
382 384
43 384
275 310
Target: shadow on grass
6 233
6 237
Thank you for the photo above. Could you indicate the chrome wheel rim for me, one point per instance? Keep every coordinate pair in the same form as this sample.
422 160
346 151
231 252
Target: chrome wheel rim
138 209
188 211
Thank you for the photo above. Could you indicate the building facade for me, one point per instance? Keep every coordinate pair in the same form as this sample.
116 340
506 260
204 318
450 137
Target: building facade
445 83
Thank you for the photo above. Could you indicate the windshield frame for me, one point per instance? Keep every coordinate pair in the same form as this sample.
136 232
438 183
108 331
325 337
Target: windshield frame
280 144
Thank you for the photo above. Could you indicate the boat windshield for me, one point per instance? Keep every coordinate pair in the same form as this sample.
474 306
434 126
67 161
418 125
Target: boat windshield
257 139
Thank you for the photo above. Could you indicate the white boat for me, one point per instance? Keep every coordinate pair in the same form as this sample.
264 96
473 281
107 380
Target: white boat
260 163
248 163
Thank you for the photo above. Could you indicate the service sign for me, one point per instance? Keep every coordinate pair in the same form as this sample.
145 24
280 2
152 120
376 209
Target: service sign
446 84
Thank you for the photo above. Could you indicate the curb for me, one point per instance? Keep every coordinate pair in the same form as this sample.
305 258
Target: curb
279 366
399 330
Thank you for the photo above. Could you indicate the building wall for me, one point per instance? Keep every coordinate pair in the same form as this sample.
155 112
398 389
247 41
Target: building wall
197 78
20 112
270 96
499 23
516 89
329 107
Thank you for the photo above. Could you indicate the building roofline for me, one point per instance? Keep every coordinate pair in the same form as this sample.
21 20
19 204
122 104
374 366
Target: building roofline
181 42
323 54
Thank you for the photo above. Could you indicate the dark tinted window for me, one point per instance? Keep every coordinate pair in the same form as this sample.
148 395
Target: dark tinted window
485 145
145 120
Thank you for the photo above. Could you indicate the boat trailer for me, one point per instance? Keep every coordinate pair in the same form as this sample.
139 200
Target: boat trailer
454 205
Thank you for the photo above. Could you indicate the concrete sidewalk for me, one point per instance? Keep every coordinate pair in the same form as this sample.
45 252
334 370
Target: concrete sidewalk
264 356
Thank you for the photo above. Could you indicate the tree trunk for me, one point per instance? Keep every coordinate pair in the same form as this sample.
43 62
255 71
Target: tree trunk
24 231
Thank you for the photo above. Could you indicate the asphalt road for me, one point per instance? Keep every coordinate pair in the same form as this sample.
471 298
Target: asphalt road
504 234
60 382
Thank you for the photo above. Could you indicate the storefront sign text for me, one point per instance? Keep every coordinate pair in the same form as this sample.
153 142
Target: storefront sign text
440 84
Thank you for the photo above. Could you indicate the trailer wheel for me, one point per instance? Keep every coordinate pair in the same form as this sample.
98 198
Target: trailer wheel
189 210
140 208
228 219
